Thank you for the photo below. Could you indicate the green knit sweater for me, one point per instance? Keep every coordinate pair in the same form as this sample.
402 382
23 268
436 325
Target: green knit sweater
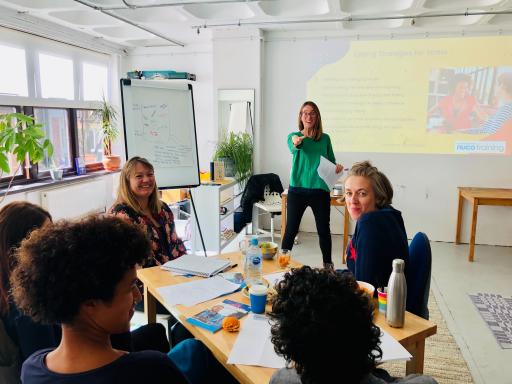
306 158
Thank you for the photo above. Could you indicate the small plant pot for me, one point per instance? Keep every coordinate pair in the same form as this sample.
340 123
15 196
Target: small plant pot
111 163
56 174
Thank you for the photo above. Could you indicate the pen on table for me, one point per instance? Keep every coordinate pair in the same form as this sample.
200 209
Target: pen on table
231 267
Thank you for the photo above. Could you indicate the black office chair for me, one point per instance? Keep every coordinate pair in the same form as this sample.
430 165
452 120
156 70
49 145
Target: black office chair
418 272
264 192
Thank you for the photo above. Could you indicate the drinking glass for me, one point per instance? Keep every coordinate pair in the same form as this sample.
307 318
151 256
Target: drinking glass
284 258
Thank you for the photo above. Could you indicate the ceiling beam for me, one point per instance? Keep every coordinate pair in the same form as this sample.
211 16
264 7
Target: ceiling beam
352 19
128 21
174 4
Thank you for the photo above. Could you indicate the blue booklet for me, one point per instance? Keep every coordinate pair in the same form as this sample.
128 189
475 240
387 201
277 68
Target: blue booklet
211 318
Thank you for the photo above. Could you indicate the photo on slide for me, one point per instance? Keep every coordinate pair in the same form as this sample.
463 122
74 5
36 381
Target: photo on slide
469 100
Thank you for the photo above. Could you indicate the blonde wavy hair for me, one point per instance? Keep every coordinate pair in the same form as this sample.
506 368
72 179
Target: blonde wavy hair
317 129
125 194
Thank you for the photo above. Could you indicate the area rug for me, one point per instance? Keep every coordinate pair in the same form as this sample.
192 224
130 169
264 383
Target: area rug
496 311
443 358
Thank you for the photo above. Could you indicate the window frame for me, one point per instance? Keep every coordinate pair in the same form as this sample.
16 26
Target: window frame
73 144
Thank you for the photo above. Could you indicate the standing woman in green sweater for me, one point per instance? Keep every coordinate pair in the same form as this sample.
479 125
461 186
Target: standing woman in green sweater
307 189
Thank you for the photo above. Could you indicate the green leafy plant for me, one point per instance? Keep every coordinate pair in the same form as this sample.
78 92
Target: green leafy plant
108 115
22 136
238 147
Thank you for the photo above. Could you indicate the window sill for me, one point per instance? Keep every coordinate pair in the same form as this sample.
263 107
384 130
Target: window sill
49 182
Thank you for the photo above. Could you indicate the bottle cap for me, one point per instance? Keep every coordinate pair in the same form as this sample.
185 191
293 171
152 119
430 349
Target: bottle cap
254 241
398 265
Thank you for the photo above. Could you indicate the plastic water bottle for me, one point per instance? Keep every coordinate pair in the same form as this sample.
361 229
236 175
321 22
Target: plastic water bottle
253 263
397 295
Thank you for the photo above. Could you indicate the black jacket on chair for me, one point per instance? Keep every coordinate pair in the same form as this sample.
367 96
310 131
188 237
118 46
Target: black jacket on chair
254 192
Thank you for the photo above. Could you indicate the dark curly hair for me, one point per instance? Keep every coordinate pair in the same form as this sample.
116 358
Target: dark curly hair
323 323
63 265
17 220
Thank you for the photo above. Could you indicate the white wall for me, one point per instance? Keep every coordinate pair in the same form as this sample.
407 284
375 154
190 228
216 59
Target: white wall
237 59
278 69
425 185
196 59
79 197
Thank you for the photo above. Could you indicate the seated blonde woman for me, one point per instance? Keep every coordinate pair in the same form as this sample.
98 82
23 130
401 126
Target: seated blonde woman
138 203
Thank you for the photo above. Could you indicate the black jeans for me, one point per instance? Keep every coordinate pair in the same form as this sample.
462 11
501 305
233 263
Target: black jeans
320 202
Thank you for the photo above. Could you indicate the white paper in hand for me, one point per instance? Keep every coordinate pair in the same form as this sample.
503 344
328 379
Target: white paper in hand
327 172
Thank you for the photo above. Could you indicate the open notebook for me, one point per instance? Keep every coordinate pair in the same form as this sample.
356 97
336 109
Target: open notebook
196 265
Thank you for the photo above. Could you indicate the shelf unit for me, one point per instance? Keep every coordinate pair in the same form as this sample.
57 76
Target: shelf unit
217 226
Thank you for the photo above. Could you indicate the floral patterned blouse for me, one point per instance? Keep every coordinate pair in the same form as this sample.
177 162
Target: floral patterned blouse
165 243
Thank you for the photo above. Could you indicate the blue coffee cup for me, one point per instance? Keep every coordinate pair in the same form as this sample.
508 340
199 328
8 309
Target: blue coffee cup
258 297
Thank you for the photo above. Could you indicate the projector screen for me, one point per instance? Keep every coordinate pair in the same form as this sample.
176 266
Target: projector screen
447 96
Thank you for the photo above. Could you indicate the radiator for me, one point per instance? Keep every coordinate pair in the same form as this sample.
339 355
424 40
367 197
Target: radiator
76 200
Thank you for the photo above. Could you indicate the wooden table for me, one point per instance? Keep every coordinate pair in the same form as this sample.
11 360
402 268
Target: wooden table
336 201
412 336
476 197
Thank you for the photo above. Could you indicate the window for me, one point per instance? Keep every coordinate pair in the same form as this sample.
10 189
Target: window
60 86
95 81
56 126
90 143
13 71
56 77
13 165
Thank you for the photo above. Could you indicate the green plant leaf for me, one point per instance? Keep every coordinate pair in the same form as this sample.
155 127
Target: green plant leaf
4 163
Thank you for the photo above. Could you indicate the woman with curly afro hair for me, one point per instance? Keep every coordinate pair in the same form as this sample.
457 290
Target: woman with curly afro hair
83 276
322 324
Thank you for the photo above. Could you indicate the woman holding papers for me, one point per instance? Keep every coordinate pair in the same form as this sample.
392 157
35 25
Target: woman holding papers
307 188
322 324
138 203
380 234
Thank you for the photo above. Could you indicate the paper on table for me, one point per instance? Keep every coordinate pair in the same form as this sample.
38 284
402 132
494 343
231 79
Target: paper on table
253 345
392 349
197 291
327 171
273 278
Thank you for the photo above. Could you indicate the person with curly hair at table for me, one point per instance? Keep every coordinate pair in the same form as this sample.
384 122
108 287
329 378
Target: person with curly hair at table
322 324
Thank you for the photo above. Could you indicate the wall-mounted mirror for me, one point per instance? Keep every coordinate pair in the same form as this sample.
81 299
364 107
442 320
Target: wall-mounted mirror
236 111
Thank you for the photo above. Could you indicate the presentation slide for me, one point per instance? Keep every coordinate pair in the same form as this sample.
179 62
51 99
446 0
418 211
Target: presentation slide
446 96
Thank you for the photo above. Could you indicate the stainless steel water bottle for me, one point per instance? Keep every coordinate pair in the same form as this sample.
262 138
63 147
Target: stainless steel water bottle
397 295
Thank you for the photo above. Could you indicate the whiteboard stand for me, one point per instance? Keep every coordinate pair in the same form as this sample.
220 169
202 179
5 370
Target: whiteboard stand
197 222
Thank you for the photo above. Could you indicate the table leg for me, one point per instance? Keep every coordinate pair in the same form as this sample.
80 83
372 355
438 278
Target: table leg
345 235
473 230
284 199
149 306
417 350
459 219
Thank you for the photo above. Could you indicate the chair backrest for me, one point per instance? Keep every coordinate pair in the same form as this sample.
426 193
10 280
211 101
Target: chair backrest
255 189
418 273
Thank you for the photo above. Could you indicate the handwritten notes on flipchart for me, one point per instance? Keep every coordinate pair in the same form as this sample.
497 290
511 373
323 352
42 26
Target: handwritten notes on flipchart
161 136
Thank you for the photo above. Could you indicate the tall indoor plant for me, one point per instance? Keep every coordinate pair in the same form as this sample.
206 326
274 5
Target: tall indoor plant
22 137
239 148
108 115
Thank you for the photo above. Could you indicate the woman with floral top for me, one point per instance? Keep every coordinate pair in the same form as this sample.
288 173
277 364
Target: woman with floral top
138 203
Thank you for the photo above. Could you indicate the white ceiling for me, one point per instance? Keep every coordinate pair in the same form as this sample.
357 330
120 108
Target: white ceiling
143 23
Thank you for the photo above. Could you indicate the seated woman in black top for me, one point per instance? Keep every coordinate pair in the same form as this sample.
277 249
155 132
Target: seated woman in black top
380 234
83 276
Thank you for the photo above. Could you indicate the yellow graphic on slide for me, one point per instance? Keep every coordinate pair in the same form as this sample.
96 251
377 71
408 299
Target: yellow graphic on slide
449 96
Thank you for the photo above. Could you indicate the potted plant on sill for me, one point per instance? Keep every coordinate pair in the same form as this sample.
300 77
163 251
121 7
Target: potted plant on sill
23 138
108 115
238 148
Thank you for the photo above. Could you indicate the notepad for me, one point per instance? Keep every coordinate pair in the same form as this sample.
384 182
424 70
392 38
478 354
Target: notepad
196 265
